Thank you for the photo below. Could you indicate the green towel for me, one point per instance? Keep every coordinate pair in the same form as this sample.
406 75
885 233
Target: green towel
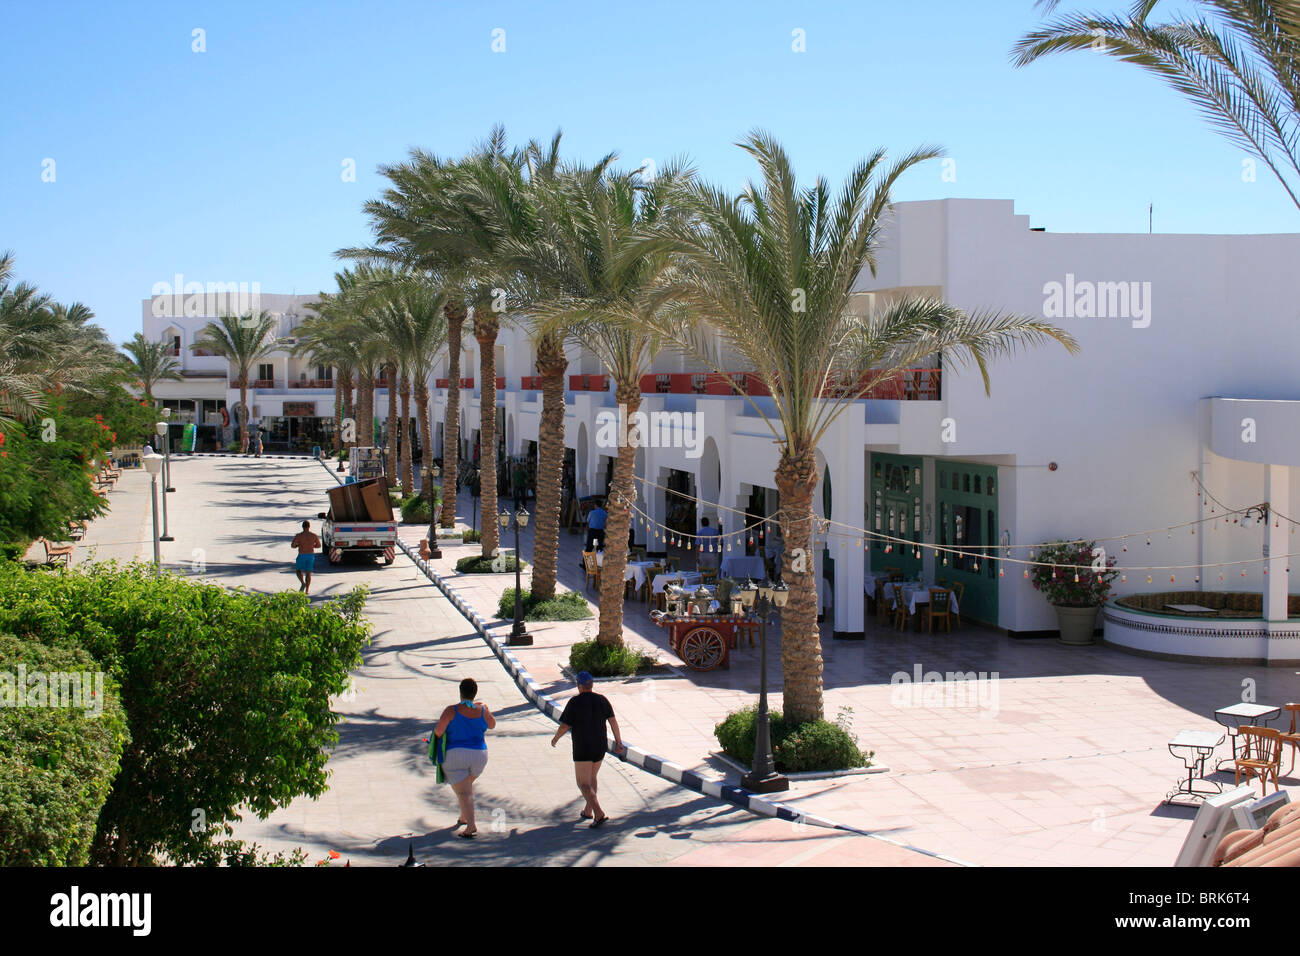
438 753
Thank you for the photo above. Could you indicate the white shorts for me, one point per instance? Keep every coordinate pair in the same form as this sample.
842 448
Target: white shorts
461 762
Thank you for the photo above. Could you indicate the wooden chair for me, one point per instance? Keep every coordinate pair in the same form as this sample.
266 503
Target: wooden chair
1292 737
57 553
939 608
592 568
900 607
894 574
958 589
650 573
1261 756
636 553
709 575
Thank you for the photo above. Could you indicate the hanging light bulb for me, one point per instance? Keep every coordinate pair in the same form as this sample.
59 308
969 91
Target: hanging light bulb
1123 579
1026 573
1148 579
1171 579
1076 577
1002 572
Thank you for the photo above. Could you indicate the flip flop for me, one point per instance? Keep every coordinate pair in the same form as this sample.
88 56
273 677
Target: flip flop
466 835
600 822
585 816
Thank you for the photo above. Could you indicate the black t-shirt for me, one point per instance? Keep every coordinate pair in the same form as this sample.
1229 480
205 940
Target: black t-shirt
586 715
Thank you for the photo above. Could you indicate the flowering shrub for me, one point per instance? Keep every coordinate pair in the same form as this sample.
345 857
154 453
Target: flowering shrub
1074 574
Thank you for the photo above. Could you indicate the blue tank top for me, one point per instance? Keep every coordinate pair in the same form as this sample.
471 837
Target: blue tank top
466 733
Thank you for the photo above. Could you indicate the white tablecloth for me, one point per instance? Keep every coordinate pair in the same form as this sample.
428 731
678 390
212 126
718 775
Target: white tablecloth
740 566
871 578
632 571
915 594
692 578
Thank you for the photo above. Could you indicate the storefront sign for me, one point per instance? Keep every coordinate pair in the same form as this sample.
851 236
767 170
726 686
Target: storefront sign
300 409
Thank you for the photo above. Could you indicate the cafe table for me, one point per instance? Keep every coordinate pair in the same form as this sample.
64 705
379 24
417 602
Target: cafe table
1235 715
1193 748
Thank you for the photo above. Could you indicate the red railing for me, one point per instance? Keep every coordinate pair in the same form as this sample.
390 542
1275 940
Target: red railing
501 383
381 383
588 383
531 383
201 353
313 383
464 383
442 383
262 383
916 384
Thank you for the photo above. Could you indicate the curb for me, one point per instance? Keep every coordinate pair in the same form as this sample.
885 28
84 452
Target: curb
651 763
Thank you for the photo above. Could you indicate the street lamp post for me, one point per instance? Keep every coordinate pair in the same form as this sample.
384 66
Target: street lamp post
518 634
162 433
167 461
762 777
434 550
153 464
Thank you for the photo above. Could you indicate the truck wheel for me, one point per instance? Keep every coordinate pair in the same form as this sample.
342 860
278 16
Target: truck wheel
336 555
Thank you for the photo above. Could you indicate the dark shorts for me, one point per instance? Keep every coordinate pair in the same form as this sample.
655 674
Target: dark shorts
588 755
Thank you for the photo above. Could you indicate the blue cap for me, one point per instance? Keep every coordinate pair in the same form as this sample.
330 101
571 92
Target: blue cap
584 679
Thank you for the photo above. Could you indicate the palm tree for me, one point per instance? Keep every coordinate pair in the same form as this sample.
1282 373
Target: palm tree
327 341
242 341
1237 65
767 277
593 223
151 363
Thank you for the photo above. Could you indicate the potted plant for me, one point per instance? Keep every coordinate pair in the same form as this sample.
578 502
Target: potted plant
1076 577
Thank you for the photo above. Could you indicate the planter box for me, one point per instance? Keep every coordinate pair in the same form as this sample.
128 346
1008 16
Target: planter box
1077 624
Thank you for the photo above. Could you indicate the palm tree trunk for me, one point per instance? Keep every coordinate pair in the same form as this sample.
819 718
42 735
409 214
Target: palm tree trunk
243 419
801 646
407 465
338 408
485 331
349 411
621 492
365 435
455 314
551 365
426 442
390 376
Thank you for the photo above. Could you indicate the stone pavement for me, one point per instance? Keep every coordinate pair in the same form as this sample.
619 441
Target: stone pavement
232 519
1062 760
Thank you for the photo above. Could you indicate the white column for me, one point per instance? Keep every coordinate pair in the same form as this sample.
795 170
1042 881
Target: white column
844 457
1277 540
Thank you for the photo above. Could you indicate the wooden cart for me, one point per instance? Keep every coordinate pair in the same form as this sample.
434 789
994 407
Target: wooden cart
704 642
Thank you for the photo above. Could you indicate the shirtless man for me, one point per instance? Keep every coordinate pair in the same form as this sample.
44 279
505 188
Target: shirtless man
306 542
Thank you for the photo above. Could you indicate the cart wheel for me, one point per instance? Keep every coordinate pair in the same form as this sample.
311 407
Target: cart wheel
336 555
702 648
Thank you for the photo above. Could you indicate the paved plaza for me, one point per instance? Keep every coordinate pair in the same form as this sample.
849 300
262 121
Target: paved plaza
1059 758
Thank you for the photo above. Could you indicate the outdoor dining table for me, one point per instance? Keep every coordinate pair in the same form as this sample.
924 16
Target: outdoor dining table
915 594
1193 748
740 566
1235 715
692 578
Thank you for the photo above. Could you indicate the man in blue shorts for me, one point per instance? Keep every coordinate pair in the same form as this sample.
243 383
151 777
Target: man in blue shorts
306 542
585 715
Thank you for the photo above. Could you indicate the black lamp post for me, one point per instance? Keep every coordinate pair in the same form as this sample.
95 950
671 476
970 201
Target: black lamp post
518 634
762 777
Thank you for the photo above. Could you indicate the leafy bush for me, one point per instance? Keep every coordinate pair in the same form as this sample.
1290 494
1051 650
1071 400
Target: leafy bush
415 510
227 694
569 606
472 536
57 763
815 746
1082 582
477 564
602 660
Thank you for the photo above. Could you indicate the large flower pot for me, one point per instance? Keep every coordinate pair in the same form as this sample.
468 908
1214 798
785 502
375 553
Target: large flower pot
1076 623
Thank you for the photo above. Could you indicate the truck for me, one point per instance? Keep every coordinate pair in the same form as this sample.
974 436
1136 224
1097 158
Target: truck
359 521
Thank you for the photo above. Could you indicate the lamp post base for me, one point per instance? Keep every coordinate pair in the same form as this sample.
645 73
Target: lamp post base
519 637
166 537
772 783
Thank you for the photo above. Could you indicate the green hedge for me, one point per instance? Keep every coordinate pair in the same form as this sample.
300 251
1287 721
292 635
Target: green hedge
477 564
814 746
602 660
227 694
569 606
471 536
57 763
415 510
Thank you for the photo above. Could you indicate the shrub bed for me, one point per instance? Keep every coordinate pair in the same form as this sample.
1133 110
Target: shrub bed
57 763
796 748
569 606
471 536
477 564
601 660
415 510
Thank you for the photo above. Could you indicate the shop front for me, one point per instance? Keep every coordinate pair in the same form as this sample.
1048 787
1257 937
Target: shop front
298 429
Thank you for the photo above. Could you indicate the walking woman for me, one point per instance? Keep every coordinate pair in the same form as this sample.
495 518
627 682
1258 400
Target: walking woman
466 754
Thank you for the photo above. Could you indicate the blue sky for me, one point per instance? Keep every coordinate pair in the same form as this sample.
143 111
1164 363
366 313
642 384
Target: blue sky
226 165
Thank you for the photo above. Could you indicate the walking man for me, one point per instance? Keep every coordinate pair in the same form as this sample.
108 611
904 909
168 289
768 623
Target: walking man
585 716
306 542
596 520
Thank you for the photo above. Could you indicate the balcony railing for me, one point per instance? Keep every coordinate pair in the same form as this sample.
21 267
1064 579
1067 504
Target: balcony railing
201 353
915 384
313 383
261 383
531 383
588 383
501 383
464 383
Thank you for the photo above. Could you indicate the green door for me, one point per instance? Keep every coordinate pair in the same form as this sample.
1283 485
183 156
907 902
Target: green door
895 510
968 521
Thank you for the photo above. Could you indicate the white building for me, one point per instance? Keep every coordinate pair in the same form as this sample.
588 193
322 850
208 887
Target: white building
1186 374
